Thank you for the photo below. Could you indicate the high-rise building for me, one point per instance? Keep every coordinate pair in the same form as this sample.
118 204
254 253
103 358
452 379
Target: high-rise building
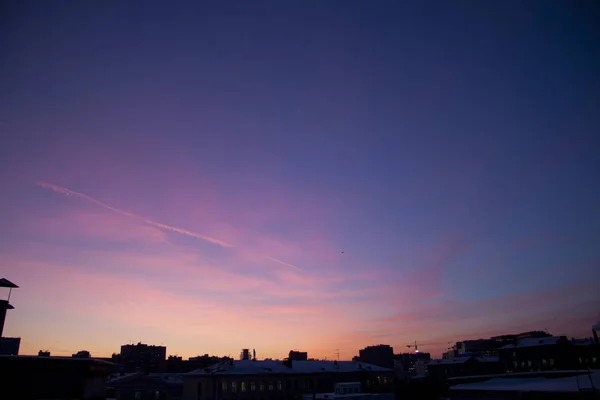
298 355
381 355
143 357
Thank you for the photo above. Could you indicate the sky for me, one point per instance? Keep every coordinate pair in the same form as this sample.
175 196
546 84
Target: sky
310 175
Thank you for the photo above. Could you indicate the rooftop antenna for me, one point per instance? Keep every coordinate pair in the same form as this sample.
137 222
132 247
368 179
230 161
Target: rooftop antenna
337 354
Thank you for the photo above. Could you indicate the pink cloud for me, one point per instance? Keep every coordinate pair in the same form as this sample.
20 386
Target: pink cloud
126 301
95 226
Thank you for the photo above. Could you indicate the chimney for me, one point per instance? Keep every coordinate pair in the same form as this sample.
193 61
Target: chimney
595 332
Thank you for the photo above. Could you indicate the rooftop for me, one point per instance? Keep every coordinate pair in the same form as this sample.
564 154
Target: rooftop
530 342
166 377
446 361
577 383
461 360
261 367
57 358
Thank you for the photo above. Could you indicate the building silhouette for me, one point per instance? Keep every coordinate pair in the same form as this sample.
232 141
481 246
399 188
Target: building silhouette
381 355
143 357
8 346
298 355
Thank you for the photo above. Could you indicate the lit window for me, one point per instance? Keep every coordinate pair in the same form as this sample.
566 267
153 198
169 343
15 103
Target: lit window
224 387
580 361
279 385
522 363
243 386
529 363
262 386
157 395
551 361
544 361
594 360
270 386
234 387
516 364
252 386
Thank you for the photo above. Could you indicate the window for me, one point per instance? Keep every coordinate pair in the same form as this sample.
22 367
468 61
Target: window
580 361
516 364
224 386
522 363
262 386
270 386
253 386
199 390
544 362
279 385
529 363
157 395
138 395
594 360
552 361
302 384
514 354
234 387
243 386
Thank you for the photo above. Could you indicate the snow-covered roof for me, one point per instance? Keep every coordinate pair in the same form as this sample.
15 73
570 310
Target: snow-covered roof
530 342
487 359
55 358
583 342
118 377
262 367
166 377
446 361
538 384
461 360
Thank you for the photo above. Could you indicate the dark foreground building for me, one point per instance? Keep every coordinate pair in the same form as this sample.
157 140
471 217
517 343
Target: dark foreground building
277 380
142 386
9 346
543 385
37 378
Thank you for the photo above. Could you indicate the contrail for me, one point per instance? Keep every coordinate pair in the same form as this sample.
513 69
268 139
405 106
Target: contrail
68 192
284 263
218 242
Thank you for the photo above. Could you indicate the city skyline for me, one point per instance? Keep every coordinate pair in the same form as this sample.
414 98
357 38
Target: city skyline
298 176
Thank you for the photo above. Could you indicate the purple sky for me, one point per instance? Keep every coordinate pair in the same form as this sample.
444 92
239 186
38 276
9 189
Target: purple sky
188 174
